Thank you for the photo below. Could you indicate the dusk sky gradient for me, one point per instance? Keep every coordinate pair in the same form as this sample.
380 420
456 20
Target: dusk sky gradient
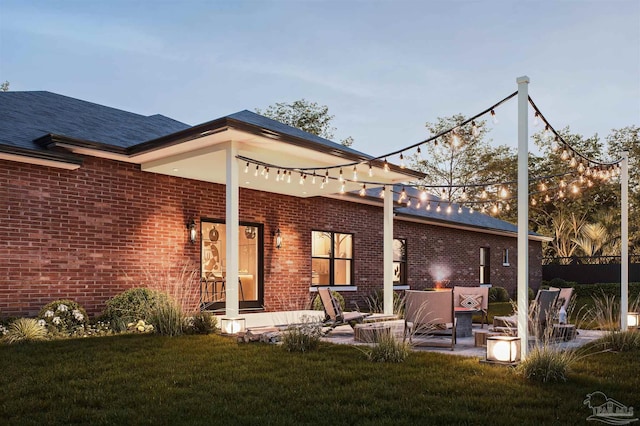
384 68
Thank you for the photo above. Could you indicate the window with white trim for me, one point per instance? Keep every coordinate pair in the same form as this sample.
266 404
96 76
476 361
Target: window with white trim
331 258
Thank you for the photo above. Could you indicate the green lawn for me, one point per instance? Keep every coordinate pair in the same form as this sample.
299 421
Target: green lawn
147 379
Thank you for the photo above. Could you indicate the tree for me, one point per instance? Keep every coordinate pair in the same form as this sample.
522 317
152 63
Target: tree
463 159
305 115
4 87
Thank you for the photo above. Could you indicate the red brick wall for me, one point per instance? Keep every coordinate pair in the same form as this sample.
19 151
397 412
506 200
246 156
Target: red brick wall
91 233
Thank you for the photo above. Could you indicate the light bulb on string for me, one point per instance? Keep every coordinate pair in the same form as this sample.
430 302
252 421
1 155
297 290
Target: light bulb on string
266 174
409 202
382 192
289 177
483 210
503 192
438 208
564 155
533 201
423 196
555 146
444 193
386 165
363 190
418 205
589 183
257 171
342 188
494 209
587 172
542 186
581 179
278 177
402 165
573 162
262 172
326 176
355 173
301 181
459 209
547 198
419 153
455 139
370 170
471 210
580 167
464 194
340 178
494 118
449 209
484 194
536 119
313 179
475 131
428 206
575 189
563 184
403 194
246 168
561 193
507 207
547 132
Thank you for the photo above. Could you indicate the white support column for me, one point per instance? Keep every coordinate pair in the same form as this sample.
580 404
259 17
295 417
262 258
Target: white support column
523 214
232 304
387 251
624 252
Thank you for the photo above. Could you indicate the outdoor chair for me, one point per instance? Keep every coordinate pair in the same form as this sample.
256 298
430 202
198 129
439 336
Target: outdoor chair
430 313
334 316
540 312
564 298
473 297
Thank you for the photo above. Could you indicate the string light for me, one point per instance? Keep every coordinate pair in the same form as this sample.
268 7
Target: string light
355 173
342 188
460 210
573 162
580 168
503 192
438 208
266 174
536 119
301 182
403 194
494 118
464 194
257 170
564 155
382 192
533 201
289 177
313 179
363 190
418 205
262 173
370 170
246 168
494 209
444 193
542 186
428 207
455 139
402 165
575 189
419 152
561 194
386 165
475 131
340 178
409 202
484 194
424 196
547 198
471 210
554 145
449 209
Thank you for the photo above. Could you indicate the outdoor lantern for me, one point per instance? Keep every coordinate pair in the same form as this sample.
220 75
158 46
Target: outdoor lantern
232 325
278 238
503 349
633 319
191 226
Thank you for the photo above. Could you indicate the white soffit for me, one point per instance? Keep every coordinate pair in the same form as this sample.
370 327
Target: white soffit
204 159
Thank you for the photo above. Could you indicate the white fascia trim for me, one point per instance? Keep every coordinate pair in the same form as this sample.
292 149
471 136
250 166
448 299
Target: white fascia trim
39 161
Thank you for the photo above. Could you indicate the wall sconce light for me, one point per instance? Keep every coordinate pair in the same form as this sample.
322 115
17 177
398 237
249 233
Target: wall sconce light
503 350
191 227
232 325
278 238
633 319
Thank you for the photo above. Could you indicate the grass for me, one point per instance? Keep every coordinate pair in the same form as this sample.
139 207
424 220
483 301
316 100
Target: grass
150 379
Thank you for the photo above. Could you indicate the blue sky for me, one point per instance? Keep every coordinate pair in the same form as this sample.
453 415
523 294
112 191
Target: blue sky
384 68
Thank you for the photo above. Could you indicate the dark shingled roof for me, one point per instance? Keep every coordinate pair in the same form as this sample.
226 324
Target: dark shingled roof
26 116
276 126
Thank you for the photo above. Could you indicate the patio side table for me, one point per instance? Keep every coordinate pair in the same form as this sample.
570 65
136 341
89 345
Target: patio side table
464 323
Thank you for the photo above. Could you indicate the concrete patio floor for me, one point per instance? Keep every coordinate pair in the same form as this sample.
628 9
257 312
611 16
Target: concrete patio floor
344 334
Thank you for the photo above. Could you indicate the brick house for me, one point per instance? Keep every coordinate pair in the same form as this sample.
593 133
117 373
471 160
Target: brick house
95 200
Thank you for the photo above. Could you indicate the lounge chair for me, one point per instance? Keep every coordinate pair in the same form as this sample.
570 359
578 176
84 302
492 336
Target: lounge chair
430 313
540 311
564 298
334 316
473 297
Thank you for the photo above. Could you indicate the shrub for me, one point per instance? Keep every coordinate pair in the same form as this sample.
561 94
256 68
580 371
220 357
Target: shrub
317 303
303 337
132 305
546 364
202 323
26 330
387 348
167 318
498 294
606 315
64 317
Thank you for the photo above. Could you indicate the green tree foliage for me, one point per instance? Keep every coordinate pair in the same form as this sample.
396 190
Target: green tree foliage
463 159
305 115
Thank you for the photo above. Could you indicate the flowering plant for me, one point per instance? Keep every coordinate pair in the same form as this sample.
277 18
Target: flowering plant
64 317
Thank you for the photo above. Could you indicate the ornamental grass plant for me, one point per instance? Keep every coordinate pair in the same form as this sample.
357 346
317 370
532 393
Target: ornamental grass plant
606 316
302 337
24 330
386 347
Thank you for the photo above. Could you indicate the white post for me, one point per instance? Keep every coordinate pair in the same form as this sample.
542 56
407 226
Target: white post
387 241
232 304
523 214
624 252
